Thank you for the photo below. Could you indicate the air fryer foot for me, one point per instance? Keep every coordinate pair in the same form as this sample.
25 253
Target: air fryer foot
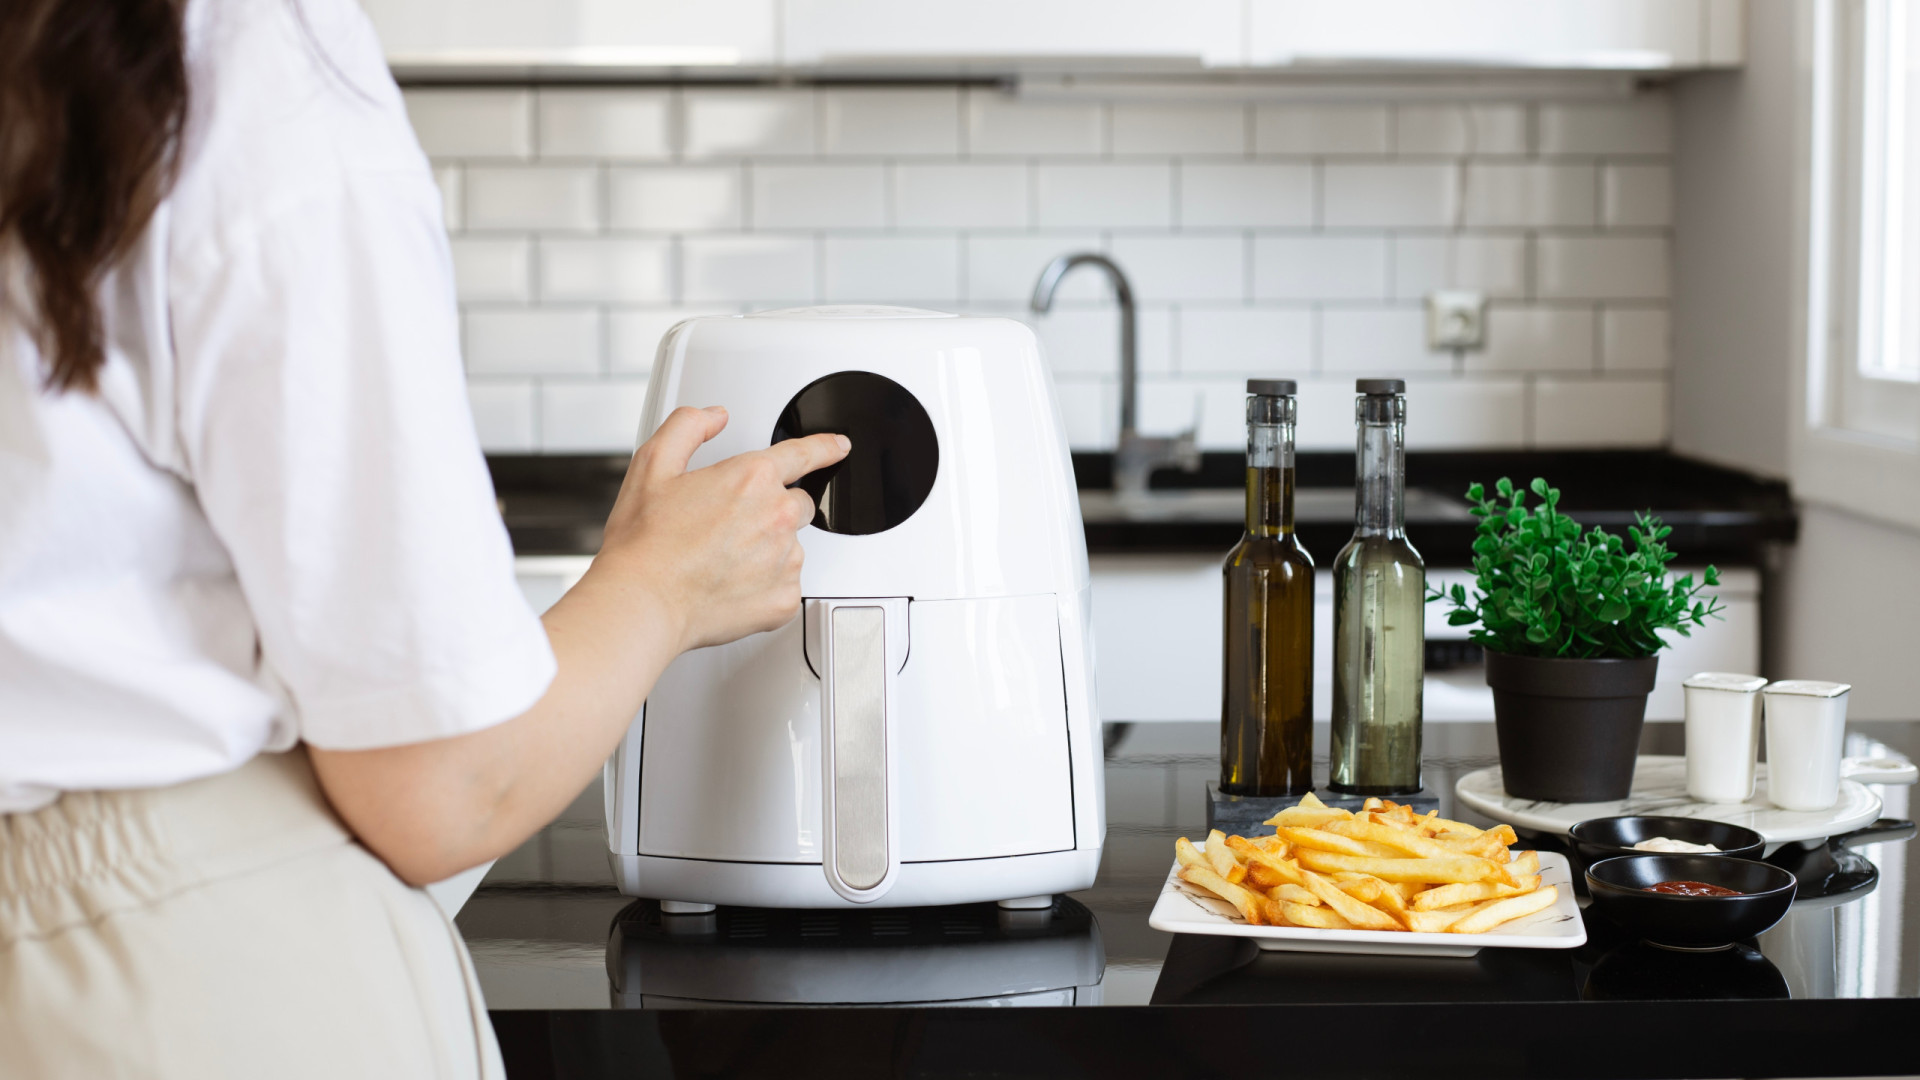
1028 903
685 907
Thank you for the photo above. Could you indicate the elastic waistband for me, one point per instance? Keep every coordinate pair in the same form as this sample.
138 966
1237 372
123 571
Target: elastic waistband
94 852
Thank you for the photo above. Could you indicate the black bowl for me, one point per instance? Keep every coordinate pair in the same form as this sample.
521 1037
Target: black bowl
1618 887
1606 837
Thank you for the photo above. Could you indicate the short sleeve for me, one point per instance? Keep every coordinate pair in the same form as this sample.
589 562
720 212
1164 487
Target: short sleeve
325 423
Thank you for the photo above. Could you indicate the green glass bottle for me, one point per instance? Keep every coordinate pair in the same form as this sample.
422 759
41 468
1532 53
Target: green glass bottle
1379 611
1266 709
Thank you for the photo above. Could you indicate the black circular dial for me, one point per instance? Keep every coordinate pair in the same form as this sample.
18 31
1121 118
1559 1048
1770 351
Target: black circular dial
895 456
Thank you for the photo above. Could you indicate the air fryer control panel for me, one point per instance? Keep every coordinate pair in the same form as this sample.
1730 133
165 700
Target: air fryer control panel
895 456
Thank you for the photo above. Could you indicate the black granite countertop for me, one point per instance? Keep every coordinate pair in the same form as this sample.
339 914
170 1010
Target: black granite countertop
583 982
555 504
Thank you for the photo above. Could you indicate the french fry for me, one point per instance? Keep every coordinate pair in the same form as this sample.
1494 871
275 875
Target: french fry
1220 858
1248 904
1317 918
1362 915
1436 871
1322 840
1403 840
1310 801
1294 894
1494 914
1437 922
1247 850
1446 896
1187 854
1526 862
1306 817
1274 868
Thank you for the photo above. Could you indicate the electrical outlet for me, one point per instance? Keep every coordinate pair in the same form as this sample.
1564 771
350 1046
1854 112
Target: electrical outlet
1456 320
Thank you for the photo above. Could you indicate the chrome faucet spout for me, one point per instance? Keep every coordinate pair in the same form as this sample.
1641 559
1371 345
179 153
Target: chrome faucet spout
1043 291
1135 457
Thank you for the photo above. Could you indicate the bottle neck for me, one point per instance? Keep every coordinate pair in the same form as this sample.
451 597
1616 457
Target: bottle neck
1269 465
1380 504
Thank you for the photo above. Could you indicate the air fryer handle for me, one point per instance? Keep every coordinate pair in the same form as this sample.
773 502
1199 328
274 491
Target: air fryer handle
857 646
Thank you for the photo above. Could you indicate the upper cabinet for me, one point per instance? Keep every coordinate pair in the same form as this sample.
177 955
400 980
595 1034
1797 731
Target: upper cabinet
935 38
993 34
1556 34
641 34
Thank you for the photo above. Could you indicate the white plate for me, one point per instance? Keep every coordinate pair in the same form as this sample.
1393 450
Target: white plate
1660 787
1183 909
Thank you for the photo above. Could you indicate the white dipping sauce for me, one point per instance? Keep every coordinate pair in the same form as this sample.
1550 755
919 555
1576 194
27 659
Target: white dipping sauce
1671 847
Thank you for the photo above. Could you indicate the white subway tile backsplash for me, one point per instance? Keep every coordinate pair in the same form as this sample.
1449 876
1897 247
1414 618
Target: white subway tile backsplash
625 269
1637 196
532 341
1465 414
1263 239
503 415
1320 129
748 269
999 123
891 122
597 417
1319 267
492 269
472 123
819 196
1246 341
1005 266
633 335
1246 196
892 269
1112 196
1384 196
737 122
1184 266
1364 342
1635 339
1643 125
1179 129
688 198
1494 265
1535 339
1505 194
1593 413
1602 267
960 196
560 197
1460 129
605 123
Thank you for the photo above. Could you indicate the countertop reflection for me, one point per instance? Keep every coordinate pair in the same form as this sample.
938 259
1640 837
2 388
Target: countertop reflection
548 930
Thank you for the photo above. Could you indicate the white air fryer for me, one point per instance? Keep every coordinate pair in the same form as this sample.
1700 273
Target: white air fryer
924 732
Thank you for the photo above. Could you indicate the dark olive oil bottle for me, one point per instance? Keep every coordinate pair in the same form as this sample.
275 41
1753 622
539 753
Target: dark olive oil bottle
1266 711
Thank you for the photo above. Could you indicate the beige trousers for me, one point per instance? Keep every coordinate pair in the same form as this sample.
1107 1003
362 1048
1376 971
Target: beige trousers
224 928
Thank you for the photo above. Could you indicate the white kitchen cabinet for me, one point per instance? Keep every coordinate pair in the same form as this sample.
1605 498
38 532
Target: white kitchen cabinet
1157 627
995 32
422 35
1611 34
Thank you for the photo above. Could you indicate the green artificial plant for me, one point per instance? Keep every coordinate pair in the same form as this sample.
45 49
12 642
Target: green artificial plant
1547 587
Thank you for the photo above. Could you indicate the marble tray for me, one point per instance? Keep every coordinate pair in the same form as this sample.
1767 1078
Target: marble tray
1660 787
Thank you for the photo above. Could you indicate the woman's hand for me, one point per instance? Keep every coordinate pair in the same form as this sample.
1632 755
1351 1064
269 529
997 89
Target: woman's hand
716 546
690 559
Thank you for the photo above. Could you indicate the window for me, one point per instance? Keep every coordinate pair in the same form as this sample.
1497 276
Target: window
1864 326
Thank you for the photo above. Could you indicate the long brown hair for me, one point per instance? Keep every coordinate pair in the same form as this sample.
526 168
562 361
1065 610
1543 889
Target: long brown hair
93 96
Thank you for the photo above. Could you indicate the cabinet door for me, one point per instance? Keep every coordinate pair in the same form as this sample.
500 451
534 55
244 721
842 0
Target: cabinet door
633 33
944 31
1626 34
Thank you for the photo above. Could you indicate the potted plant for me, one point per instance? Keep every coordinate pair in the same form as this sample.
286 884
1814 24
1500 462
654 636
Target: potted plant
1570 619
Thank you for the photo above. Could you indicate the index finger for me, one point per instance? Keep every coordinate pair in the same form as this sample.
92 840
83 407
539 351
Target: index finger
798 457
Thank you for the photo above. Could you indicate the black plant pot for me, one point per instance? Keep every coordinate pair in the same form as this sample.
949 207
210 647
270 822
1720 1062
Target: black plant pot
1569 730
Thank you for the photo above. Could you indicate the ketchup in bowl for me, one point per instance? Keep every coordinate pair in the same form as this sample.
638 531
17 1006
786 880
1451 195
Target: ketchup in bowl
1692 888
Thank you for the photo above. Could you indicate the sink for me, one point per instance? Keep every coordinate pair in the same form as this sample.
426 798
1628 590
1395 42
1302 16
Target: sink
1228 506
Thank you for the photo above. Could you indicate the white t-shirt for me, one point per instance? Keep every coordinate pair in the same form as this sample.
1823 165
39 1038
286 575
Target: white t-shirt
273 523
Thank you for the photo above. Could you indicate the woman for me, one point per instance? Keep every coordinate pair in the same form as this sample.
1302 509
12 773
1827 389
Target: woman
263 666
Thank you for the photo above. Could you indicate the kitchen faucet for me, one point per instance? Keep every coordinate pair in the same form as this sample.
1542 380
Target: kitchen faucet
1137 455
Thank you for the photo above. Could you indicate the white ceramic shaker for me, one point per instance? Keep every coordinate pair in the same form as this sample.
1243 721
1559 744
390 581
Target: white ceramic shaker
1806 722
1723 735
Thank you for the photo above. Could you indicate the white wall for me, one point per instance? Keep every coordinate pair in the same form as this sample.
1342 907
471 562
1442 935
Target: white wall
1263 239
1847 599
